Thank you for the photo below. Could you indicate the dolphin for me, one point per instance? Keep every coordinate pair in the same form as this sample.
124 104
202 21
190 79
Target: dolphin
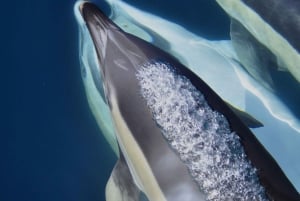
204 49
274 24
280 135
217 64
266 37
178 140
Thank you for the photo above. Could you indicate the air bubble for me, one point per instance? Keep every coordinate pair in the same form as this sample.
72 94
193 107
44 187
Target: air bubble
200 136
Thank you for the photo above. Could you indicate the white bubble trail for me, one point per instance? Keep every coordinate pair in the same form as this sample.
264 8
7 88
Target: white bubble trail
201 137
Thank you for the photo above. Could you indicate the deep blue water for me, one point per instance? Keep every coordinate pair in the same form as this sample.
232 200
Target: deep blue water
50 146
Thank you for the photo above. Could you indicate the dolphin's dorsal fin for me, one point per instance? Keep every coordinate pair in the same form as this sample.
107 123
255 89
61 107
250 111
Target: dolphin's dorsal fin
120 186
246 118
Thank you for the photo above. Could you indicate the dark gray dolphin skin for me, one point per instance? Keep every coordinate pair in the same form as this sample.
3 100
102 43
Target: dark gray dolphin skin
149 163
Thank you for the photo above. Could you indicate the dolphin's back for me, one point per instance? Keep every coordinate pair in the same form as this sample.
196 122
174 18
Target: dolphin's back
148 133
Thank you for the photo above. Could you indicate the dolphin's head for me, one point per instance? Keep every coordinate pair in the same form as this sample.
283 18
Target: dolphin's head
98 25
97 33
110 54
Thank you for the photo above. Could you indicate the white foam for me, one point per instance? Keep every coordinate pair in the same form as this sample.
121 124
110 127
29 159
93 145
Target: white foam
201 137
